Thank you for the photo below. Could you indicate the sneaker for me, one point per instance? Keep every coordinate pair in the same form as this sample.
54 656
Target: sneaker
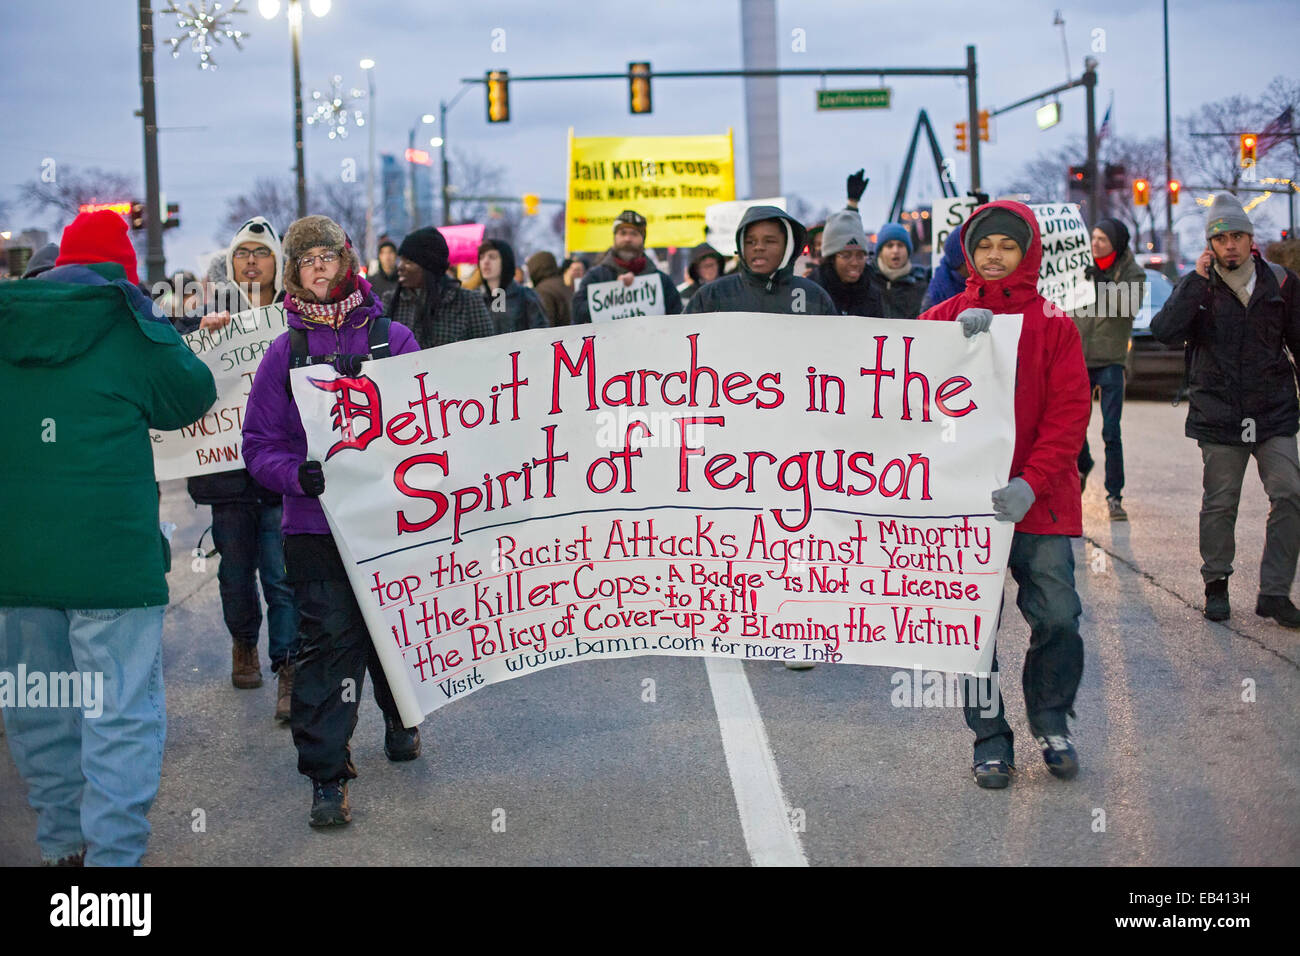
1117 512
244 670
1216 601
1279 608
329 803
993 774
283 692
400 743
799 665
1059 755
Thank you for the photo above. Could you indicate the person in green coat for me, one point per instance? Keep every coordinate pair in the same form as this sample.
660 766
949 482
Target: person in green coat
87 366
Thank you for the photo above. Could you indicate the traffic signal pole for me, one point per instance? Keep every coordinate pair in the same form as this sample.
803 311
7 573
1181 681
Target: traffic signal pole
155 264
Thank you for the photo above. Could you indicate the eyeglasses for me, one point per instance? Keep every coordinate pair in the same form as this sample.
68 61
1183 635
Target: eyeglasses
325 259
261 252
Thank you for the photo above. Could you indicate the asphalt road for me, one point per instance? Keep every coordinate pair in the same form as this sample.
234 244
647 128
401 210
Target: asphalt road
573 765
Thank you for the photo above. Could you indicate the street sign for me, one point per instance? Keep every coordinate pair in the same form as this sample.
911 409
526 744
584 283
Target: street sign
876 99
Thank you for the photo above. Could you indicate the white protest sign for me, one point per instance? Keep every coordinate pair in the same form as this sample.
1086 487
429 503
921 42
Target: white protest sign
614 300
1067 250
213 443
722 219
758 487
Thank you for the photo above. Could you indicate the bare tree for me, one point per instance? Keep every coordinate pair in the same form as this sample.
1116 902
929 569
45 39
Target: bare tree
272 198
69 188
343 202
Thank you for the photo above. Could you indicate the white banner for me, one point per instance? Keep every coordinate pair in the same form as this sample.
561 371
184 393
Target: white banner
214 443
722 219
759 487
1067 248
615 300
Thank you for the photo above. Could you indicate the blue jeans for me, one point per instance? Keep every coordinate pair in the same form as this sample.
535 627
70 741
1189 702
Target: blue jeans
1043 567
91 779
248 537
1110 378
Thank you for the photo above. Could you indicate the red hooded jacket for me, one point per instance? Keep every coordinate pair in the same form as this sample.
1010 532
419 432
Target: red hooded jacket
1052 395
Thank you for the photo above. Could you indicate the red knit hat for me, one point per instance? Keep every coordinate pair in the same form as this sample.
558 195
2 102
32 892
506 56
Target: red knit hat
98 237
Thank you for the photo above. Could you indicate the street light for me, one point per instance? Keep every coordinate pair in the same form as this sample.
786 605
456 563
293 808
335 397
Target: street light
427 119
369 66
269 9
444 108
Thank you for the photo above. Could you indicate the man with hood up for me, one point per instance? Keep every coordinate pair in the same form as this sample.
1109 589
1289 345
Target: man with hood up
706 265
428 301
625 260
950 276
1003 250
549 285
769 240
514 307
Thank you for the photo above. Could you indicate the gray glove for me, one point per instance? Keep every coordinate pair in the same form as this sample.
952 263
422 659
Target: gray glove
1013 502
974 321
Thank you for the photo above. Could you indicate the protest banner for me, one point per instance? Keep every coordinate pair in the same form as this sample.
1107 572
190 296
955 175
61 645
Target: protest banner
735 485
213 443
722 219
1067 250
463 242
670 180
614 300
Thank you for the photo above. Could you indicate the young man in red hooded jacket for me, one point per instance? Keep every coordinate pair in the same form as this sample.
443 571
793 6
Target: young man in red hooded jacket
1003 250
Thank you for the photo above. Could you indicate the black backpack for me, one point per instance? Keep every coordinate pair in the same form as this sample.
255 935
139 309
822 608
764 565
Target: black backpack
345 364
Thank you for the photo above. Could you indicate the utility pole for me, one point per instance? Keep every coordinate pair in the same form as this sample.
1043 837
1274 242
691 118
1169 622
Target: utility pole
442 156
155 264
410 164
1171 263
1094 174
973 118
295 34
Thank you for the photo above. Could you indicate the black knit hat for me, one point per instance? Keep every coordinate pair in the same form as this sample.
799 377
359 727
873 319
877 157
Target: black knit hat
427 249
1116 232
996 221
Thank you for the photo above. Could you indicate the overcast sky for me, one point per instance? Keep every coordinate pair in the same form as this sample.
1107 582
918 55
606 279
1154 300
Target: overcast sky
72 72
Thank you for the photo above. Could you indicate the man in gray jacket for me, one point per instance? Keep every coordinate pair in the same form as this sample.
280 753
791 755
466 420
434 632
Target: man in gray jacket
769 240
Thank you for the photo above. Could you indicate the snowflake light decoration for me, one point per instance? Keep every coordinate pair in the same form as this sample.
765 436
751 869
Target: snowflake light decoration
335 109
203 28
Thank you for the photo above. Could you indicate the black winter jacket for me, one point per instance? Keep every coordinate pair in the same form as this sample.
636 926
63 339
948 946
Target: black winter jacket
1238 369
606 271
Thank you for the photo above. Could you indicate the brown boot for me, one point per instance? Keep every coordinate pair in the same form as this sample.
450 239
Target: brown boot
244 670
284 692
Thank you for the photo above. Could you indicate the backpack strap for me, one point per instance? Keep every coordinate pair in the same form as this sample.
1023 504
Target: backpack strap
1279 273
379 347
299 357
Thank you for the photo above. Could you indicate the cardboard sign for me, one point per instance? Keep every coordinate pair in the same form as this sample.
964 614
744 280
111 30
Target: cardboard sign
614 300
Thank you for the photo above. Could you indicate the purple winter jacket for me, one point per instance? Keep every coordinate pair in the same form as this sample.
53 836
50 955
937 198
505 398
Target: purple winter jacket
274 441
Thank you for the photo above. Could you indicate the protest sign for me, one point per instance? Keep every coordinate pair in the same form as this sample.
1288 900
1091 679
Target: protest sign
213 443
722 219
670 180
614 300
1067 251
463 242
737 485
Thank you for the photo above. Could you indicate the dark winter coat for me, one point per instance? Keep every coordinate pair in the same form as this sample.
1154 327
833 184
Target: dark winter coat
513 307
1238 371
382 282
781 292
860 298
549 285
441 312
947 280
901 298
1107 325
698 255
608 270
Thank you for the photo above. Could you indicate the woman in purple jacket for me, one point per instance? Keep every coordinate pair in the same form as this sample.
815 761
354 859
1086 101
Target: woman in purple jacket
335 306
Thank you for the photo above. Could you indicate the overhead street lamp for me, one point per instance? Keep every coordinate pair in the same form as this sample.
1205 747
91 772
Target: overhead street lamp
444 108
411 162
270 9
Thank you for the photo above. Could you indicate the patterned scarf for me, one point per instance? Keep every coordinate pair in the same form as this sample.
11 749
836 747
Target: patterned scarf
327 313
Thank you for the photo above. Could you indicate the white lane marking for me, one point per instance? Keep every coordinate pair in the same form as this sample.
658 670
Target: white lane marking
764 816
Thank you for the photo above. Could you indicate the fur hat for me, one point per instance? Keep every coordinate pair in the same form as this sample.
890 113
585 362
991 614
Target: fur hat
306 234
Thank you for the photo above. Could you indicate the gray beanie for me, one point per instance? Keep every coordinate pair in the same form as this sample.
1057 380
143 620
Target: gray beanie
843 231
1226 215
996 220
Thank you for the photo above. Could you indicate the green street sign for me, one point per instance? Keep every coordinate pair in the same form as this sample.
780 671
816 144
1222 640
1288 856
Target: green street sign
877 99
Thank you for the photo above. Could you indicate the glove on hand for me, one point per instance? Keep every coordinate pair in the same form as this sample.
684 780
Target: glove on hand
857 185
311 478
974 321
1013 502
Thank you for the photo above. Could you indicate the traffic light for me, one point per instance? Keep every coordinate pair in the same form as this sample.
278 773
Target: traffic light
1116 177
963 136
173 216
984 126
1248 143
498 96
1175 188
1141 192
137 215
531 203
638 87
1079 182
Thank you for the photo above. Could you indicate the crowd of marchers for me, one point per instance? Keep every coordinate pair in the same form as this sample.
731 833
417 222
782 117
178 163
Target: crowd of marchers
114 365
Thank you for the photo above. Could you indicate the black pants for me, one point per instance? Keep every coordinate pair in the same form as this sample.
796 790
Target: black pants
330 666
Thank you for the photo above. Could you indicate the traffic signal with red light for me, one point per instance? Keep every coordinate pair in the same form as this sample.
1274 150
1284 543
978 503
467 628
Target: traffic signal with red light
1175 189
498 96
638 87
1249 142
1141 192
963 136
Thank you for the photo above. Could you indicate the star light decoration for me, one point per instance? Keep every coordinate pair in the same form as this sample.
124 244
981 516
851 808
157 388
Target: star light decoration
335 109
203 29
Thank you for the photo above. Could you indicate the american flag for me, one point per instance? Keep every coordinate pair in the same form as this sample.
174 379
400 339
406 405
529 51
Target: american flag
1105 122
1278 131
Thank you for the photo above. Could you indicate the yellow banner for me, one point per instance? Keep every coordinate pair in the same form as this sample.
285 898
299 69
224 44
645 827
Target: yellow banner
670 180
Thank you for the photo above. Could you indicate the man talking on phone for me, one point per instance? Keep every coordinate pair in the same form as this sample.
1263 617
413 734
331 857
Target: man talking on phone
1238 315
